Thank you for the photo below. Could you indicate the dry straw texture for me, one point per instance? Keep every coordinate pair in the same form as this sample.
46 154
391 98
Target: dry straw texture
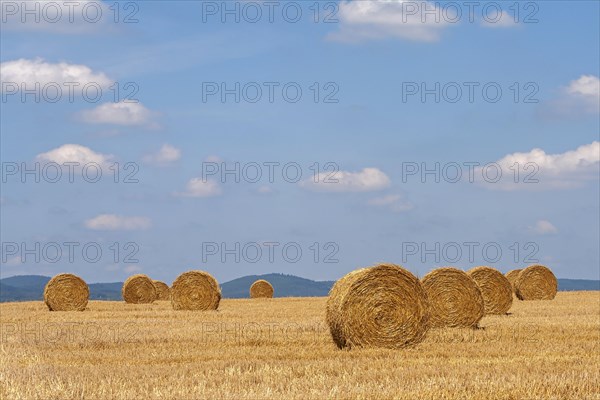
495 288
138 289
162 290
455 298
261 289
282 349
536 282
195 290
66 292
512 277
380 306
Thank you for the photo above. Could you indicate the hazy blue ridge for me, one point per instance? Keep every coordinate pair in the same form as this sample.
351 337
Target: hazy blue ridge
31 287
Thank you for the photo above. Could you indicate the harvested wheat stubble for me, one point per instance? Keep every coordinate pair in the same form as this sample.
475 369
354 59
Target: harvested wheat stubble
495 288
138 289
380 306
66 292
512 277
162 290
454 297
536 282
195 290
261 289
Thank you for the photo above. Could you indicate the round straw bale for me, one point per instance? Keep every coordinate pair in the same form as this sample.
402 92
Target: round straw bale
261 289
66 292
455 298
195 290
495 289
380 306
536 282
512 277
138 289
162 290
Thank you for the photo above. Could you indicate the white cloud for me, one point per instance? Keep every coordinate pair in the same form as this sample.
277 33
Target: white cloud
64 17
394 202
122 113
112 267
13 261
552 171
74 153
502 20
580 97
264 189
196 187
112 222
586 85
167 154
215 159
367 180
543 227
372 20
29 72
132 269
585 93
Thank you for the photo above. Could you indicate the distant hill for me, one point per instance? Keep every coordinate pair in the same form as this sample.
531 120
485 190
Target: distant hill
31 287
284 285
567 285
23 288
106 291
26 281
9 293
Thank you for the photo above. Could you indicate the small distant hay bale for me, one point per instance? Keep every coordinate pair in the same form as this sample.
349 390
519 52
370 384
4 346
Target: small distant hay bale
495 288
138 289
66 292
455 298
261 289
162 290
380 306
512 277
195 290
536 282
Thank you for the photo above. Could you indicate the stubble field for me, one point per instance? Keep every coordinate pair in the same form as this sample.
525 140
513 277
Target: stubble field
281 348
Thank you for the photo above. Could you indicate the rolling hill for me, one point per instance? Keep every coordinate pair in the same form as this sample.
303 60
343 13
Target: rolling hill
31 287
284 285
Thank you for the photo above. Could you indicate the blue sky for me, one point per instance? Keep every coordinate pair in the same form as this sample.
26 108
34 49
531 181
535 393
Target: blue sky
367 61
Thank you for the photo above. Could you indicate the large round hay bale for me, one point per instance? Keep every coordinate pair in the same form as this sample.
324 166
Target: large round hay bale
495 289
162 290
512 277
138 289
380 306
261 289
454 297
536 282
195 290
66 292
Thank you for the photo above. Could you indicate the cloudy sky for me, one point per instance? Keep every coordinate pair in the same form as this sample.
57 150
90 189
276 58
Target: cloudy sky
255 137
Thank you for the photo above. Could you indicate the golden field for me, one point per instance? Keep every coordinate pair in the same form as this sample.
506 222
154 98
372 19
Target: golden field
280 348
